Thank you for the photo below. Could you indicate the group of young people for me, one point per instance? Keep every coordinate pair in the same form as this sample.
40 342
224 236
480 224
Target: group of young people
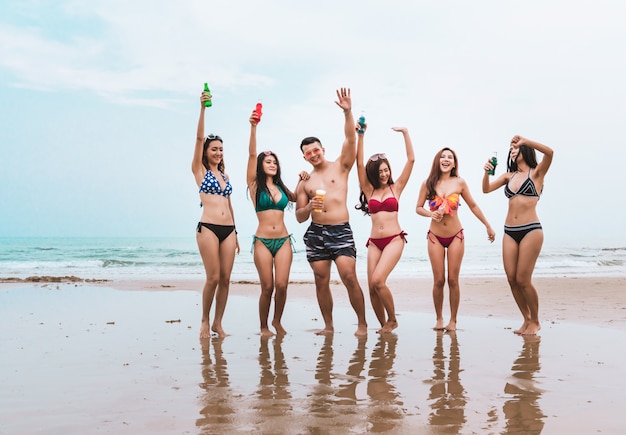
321 196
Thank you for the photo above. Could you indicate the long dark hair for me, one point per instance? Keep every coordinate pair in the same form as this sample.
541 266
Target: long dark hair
372 169
261 176
205 161
435 172
529 155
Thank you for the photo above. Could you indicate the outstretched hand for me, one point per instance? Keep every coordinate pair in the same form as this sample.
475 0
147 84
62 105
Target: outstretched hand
254 118
204 96
345 102
489 166
400 129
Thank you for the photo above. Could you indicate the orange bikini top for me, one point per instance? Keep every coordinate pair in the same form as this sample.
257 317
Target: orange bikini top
450 203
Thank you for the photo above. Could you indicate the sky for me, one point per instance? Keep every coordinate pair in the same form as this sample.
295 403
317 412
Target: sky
100 102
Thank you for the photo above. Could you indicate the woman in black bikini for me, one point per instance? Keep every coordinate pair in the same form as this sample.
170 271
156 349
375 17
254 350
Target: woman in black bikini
442 190
272 243
215 233
523 236
379 199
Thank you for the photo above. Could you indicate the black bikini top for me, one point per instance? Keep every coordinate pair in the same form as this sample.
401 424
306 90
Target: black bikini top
527 188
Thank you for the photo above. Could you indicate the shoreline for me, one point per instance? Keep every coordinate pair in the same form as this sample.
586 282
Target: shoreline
598 301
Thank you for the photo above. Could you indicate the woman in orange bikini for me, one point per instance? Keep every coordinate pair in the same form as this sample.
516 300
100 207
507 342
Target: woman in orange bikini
442 191
379 199
523 236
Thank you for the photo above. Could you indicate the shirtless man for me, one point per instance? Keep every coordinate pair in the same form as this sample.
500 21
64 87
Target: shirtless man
329 236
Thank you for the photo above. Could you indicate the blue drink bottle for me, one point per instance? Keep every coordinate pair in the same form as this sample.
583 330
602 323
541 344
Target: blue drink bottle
361 122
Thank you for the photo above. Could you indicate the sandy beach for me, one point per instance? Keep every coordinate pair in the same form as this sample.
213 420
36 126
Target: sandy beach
124 357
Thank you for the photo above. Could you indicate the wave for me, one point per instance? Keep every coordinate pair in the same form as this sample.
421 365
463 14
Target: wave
161 257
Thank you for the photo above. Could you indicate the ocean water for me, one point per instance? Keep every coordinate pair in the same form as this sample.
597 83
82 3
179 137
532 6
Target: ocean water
178 258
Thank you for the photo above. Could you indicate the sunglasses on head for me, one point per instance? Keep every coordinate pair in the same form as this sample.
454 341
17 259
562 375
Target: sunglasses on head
375 157
267 153
213 137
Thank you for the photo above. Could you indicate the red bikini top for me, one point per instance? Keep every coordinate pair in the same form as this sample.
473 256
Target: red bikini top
389 204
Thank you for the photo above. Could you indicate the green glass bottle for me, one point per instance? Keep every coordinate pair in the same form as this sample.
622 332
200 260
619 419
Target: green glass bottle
494 162
207 103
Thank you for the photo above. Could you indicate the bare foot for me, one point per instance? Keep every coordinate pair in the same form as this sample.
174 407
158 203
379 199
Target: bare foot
451 326
532 328
361 331
439 325
326 331
204 330
389 326
218 330
521 328
265 332
279 328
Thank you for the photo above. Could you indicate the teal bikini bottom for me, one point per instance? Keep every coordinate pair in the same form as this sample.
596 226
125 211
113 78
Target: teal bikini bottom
273 245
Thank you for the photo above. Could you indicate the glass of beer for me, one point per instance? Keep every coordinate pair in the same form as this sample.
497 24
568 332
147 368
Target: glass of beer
320 193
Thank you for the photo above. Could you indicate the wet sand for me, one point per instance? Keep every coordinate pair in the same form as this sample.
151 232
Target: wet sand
125 358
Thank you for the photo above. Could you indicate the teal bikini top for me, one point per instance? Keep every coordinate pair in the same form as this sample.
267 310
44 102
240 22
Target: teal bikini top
266 203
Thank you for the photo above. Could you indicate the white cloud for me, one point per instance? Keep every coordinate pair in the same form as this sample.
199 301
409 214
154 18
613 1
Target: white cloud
465 74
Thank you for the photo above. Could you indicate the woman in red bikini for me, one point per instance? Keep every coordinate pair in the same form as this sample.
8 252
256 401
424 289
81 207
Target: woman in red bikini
442 191
379 199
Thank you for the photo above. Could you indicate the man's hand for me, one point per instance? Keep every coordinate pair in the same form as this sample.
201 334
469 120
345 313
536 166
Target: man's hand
345 102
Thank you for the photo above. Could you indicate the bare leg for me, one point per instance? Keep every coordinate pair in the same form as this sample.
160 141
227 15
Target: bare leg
373 256
437 255
321 272
385 263
227 259
456 251
264 263
346 266
510 254
529 250
208 245
208 292
282 266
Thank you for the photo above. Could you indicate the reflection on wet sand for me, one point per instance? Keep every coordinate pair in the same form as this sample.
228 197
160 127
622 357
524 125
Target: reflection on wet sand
347 389
322 393
337 405
217 413
522 411
447 395
273 389
386 406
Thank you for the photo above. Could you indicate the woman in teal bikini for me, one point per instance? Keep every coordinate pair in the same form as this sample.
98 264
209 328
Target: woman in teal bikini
272 242
442 191
523 235
215 233
379 199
